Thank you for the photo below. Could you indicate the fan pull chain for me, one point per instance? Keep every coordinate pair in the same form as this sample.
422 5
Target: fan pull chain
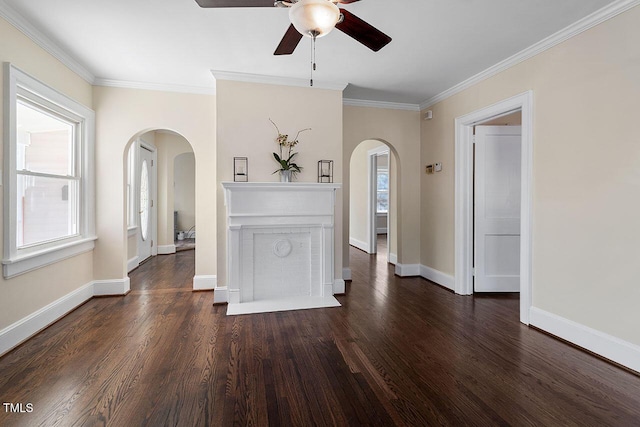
313 56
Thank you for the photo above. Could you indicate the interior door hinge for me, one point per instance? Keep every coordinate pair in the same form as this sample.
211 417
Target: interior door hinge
152 243
151 163
473 270
473 141
151 203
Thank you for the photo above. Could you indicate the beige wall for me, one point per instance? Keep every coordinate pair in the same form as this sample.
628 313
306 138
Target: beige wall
586 174
401 131
122 115
184 199
29 292
244 129
169 147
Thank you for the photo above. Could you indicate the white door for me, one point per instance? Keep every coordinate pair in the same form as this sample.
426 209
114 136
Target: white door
144 193
497 208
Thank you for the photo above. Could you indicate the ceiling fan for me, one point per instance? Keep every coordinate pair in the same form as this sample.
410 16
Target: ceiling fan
313 18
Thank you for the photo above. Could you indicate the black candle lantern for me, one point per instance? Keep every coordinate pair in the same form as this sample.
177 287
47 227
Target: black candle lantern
325 171
240 169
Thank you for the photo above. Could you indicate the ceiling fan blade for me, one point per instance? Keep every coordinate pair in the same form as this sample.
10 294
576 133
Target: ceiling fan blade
366 34
347 1
235 3
289 41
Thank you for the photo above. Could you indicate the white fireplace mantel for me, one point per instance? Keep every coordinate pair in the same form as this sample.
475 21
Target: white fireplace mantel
280 245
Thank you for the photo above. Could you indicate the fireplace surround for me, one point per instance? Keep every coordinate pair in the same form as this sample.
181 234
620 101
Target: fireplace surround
280 245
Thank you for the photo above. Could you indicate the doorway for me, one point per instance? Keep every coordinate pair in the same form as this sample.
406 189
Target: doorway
146 197
464 202
184 201
373 199
378 198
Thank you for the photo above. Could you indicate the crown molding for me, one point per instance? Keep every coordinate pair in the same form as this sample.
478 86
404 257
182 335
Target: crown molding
572 30
275 80
200 90
380 104
24 26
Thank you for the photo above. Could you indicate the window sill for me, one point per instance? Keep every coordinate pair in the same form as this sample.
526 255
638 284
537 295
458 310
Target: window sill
31 261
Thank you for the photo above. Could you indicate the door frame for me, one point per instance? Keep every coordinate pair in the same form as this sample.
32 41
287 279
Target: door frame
464 195
372 197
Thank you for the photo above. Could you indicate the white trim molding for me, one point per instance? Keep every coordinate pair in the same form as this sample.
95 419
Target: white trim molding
203 282
24 264
166 249
463 211
599 16
132 263
363 246
339 286
380 104
393 258
437 276
25 328
407 270
346 273
605 345
160 87
29 30
276 80
221 295
113 287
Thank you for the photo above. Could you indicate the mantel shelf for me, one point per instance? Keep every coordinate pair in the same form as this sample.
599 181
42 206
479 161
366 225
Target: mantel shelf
281 185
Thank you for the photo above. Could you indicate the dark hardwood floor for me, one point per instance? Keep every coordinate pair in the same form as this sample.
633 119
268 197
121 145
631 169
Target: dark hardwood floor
400 351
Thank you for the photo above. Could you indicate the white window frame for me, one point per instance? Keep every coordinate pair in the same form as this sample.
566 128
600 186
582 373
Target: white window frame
384 171
18 84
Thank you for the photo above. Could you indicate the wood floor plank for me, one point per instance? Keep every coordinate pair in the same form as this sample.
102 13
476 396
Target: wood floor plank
399 351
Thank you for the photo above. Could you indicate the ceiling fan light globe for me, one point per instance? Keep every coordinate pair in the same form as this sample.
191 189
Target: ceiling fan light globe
314 16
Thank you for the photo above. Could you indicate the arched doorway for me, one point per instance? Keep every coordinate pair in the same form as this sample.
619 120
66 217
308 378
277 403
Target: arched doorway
150 192
373 199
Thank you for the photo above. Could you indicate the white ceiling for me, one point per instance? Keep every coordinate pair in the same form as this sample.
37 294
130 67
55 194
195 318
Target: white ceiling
436 43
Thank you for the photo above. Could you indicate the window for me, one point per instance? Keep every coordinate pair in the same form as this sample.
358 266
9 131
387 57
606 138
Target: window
48 189
382 205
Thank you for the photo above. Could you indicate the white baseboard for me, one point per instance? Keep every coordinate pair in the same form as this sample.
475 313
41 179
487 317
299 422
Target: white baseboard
437 276
133 263
166 249
346 273
393 258
205 282
363 246
608 346
111 287
338 286
25 328
406 270
221 295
